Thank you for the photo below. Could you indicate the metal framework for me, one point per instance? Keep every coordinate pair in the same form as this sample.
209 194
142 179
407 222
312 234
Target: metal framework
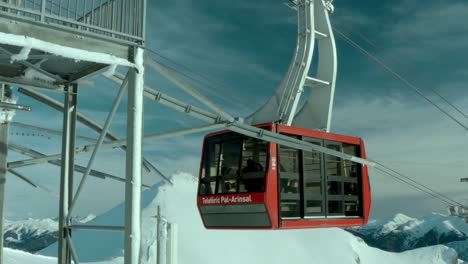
118 25
44 50
313 26
119 20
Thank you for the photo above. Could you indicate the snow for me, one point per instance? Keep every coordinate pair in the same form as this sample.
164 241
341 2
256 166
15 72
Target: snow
39 226
110 70
198 245
67 52
86 219
418 227
398 220
23 55
12 256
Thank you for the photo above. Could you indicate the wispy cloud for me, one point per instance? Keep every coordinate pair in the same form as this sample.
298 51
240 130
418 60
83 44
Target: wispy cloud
413 139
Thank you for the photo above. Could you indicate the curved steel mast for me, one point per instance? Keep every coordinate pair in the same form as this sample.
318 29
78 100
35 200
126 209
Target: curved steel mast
313 28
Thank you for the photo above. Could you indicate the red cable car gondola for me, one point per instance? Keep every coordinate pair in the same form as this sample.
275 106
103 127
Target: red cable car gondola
246 183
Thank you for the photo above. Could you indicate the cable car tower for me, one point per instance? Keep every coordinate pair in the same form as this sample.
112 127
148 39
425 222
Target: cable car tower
58 45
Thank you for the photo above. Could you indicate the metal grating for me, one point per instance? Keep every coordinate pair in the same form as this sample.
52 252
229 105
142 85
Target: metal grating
115 19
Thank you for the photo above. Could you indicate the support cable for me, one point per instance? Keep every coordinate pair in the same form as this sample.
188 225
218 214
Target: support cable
210 83
400 64
415 186
396 75
188 88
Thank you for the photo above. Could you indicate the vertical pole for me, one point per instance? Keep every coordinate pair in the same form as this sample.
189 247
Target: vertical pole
43 10
158 236
134 159
66 173
171 248
71 164
3 159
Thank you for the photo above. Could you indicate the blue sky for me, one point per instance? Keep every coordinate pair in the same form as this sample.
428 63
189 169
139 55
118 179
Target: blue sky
244 48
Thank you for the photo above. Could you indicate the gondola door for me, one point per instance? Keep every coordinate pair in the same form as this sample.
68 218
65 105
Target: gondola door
290 189
343 182
314 185
334 174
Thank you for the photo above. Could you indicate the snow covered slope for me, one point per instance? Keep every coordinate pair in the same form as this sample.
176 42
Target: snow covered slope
403 233
30 235
12 256
198 245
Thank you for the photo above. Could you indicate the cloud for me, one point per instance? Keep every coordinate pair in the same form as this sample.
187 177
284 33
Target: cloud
411 138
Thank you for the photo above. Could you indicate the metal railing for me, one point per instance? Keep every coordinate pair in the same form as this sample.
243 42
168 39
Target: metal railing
117 19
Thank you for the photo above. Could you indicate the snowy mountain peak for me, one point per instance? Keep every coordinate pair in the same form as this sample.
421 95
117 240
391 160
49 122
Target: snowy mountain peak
30 235
398 221
86 219
35 226
402 233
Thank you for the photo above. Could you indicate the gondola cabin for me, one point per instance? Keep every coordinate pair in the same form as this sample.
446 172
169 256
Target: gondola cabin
247 183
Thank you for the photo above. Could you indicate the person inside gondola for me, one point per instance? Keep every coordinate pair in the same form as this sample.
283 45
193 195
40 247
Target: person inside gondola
253 176
229 176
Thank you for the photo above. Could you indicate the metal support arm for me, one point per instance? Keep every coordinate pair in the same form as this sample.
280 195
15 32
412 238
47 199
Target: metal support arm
313 27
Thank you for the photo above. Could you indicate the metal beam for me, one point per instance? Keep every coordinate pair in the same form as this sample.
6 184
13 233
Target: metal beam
166 72
132 234
49 131
89 148
30 182
66 174
74 256
105 129
15 106
269 136
97 227
90 72
3 159
37 155
19 175
30 57
34 67
34 84
172 102
81 118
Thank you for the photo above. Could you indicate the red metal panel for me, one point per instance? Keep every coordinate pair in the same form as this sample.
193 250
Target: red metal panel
367 199
263 125
271 188
318 134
